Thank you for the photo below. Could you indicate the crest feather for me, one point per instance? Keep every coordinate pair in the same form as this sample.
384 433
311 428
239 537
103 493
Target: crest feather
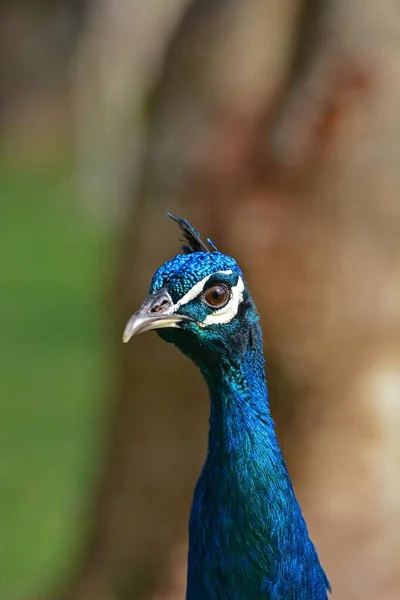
191 237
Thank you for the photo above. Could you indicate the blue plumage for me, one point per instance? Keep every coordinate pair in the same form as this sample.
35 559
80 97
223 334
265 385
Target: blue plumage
247 537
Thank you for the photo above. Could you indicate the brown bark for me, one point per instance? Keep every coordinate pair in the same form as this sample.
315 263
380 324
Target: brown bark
285 152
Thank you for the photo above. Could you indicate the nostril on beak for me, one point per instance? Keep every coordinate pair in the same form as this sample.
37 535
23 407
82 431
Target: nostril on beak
160 306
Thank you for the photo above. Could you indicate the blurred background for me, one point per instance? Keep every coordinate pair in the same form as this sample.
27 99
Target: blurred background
274 125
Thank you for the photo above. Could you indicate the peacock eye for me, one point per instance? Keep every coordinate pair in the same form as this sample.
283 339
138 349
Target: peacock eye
216 296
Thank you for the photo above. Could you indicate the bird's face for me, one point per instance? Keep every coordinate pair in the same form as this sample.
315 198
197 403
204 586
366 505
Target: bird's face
199 302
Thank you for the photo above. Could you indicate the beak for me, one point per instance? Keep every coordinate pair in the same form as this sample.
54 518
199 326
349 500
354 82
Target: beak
156 312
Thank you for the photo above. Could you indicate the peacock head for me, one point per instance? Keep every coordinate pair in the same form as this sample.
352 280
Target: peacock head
198 301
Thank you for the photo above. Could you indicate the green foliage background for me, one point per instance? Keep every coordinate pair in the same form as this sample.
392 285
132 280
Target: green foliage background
50 383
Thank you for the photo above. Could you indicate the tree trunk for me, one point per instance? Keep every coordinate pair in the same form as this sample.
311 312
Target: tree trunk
272 127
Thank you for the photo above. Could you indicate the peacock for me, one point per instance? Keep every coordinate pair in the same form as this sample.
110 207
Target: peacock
247 537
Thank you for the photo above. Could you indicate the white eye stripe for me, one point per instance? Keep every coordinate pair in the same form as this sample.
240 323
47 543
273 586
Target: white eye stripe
198 288
223 315
228 312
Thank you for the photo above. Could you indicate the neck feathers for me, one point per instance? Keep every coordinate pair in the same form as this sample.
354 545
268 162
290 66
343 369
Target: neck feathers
248 539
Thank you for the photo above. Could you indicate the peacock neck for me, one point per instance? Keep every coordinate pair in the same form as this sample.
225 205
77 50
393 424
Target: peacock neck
239 398
243 450
247 537
240 418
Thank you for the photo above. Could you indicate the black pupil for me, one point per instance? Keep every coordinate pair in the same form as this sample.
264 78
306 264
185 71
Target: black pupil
216 295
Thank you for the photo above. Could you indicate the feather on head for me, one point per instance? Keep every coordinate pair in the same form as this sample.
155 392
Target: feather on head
192 238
